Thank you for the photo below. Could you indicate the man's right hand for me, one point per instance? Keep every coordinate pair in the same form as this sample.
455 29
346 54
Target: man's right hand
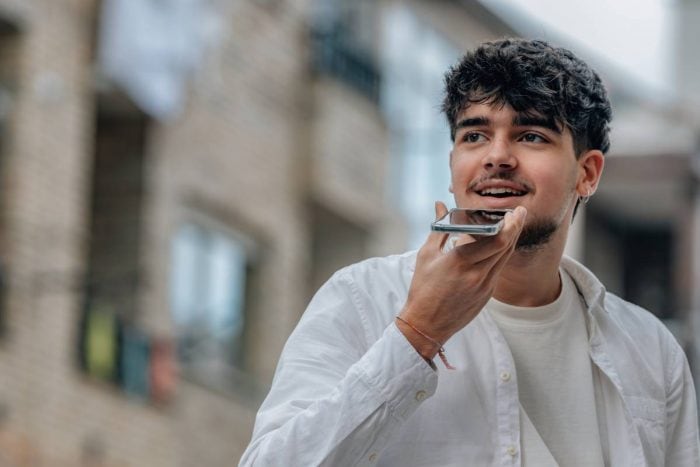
449 289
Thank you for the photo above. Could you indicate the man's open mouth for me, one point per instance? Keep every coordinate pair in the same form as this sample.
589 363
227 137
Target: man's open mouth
491 215
500 192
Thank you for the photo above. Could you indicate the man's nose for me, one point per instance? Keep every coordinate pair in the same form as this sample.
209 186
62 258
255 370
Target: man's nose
500 156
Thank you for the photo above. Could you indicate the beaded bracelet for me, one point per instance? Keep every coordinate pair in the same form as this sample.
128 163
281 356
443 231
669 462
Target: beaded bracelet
441 349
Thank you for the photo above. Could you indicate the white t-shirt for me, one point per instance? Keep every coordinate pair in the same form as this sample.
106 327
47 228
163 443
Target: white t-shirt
555 381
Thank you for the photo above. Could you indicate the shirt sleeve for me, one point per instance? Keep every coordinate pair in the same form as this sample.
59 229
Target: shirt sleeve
682 444
336 398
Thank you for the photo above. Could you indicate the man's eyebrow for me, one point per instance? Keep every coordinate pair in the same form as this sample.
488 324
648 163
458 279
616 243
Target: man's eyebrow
473 121
529 120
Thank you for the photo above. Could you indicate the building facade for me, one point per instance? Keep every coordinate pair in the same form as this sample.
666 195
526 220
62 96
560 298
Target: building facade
171 199
155 260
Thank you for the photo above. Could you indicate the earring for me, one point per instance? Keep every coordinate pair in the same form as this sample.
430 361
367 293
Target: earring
585 199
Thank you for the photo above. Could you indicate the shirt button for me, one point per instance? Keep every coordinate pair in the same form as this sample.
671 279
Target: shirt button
420 395
511 451
373 457
505 376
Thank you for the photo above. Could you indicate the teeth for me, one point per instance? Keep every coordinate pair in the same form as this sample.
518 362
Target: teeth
492 216
500 191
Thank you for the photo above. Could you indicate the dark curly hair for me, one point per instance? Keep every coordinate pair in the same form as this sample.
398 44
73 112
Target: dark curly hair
534 78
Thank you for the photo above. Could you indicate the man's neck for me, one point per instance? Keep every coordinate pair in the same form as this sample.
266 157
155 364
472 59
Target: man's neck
531 278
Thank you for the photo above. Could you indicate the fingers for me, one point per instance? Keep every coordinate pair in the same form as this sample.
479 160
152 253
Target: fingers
503 259
485 248
438 239
440 209
515 220
489 249
513 225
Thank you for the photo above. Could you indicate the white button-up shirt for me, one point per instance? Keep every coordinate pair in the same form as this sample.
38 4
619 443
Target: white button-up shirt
351 390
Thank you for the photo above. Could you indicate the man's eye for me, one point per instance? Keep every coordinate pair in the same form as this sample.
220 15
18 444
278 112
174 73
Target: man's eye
473 137
533 138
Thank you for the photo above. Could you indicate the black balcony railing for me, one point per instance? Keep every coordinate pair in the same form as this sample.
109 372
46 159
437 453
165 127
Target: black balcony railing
332 54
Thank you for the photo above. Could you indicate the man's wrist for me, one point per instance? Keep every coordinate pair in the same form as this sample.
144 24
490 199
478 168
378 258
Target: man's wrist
425 347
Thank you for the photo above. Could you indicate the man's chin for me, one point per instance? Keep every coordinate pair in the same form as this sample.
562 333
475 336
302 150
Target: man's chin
535 235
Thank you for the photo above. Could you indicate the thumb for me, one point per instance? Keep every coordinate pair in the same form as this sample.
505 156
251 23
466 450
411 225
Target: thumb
438 238
440 209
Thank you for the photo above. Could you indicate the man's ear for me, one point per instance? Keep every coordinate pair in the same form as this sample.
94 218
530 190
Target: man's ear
591 165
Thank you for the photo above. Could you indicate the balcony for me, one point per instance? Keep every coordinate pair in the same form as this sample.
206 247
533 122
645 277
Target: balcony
334 55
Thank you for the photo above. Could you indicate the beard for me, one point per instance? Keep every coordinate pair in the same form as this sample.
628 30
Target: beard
536 235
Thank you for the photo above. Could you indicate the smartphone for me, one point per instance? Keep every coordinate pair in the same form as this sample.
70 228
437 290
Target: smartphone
471 221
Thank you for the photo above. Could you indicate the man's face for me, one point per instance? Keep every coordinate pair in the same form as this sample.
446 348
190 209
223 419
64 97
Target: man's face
503 159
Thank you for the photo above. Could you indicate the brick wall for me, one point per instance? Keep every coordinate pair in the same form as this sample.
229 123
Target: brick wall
241 155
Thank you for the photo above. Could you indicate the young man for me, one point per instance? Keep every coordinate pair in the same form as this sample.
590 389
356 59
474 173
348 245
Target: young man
549 369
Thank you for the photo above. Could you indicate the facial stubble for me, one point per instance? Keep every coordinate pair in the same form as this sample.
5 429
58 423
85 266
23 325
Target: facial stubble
536 235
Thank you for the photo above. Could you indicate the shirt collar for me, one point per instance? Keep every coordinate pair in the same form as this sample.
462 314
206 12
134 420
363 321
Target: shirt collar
588 285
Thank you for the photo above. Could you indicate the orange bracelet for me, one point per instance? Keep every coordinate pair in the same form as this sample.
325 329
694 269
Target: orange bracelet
441 349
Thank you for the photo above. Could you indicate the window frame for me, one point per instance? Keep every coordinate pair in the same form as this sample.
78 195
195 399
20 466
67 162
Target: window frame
232 375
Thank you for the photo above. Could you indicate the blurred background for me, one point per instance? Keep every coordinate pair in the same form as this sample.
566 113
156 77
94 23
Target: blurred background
177 178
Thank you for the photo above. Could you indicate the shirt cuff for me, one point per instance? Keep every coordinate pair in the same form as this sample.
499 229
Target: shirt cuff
400 374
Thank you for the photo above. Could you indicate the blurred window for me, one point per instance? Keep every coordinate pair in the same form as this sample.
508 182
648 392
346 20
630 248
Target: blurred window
635 260
343 37
354 22
9 58
209 279
411 97
329 229
648 259
115 265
